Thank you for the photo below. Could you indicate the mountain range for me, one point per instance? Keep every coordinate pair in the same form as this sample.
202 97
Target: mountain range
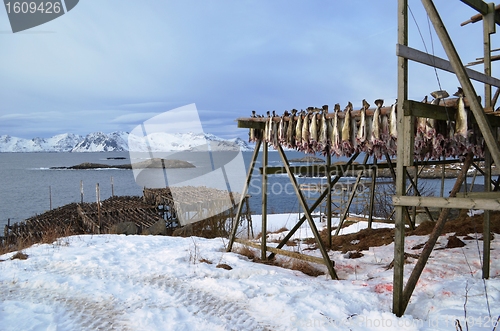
119 142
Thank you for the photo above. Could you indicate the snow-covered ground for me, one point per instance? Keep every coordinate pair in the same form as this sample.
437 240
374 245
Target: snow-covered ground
111 282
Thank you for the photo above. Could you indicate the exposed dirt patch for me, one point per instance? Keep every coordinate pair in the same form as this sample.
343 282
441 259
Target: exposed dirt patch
454 241
224 266
364 239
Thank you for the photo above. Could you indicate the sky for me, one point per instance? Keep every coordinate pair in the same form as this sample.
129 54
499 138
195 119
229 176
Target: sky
111 65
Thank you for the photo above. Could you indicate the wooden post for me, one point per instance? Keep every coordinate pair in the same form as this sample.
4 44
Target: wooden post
399 236
243 197
98 200
112 187
433 237
263 238
349 202
372 192
488 29
329 199
81 191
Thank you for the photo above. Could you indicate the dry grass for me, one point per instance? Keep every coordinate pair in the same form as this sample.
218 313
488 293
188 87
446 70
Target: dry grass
245 251
206 261
305 268
55 236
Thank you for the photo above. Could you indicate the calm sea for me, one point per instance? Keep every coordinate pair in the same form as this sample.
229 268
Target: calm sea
28 185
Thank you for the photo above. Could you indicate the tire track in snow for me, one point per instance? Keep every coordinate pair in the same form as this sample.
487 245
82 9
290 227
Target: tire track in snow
82 310
112 314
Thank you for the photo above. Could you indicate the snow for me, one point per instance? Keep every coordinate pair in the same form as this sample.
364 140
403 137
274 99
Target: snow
117 282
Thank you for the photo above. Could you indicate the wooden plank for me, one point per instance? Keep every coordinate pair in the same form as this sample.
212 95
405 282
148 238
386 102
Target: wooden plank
479 195
295 255
434 61
482 8
420 109
456 203
245 124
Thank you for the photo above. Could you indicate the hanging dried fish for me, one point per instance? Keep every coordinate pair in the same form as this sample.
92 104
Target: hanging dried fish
290 132
376 144
298 131
267 127
251 134
274 131
305 132
436 141
393 120
361 136
313 131
335 134
347 145
282 128
393 133
323 145
461 131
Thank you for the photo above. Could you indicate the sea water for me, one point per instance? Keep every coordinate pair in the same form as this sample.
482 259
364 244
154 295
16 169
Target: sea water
28 185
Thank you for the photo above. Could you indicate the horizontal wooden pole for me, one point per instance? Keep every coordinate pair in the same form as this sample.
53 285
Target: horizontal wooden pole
456 203
318 168
295 255
479 195
482 8
420 109
434 61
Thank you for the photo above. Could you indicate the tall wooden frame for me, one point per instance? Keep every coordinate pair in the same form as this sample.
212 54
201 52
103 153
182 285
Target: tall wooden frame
401 293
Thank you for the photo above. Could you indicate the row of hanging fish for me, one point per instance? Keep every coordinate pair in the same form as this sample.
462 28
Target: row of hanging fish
452 138
340 133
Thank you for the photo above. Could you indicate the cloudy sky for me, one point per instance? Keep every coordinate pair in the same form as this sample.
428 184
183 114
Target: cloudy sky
109 65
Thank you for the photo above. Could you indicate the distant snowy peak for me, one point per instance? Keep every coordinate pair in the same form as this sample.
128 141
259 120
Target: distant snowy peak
59 143
165 142
119 142
101 142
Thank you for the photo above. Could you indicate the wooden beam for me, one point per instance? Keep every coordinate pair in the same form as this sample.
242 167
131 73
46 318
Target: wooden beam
420 109
455 203
437 62
462 75
295 255
312 225
245 124
480 195
433 237
243 196
482 8
478 5
312 208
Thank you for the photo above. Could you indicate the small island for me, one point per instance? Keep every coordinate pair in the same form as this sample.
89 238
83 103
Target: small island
151 163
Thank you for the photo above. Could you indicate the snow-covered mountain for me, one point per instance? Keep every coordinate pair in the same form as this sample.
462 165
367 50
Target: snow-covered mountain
60 143
119 142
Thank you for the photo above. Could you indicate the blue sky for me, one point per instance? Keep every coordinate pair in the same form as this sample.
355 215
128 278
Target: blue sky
110 65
